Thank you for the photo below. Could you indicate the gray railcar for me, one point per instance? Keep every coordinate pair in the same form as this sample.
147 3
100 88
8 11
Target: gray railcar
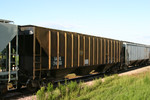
136 54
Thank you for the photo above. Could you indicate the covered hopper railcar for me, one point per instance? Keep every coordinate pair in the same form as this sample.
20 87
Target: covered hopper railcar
135 54
8 55
52 54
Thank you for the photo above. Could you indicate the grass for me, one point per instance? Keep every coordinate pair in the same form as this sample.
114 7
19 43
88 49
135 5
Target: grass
135 87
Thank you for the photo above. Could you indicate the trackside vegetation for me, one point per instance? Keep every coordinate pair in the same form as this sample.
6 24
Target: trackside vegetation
133 87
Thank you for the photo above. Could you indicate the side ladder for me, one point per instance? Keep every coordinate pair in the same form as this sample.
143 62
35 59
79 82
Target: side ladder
37 58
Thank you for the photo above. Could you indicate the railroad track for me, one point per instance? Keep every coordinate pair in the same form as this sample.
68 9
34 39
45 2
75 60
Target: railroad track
23 92
16 94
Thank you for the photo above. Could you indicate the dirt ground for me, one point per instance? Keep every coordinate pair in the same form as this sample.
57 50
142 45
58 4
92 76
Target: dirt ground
28 98
131 72
136 71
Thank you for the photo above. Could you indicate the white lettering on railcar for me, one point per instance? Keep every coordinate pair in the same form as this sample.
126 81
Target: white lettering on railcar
86 61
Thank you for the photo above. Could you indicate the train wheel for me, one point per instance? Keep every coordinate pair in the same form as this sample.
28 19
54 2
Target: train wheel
32 86
43 84
125 67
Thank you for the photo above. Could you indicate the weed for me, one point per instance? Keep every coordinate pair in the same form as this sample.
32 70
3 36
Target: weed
41 94
50 87
135 87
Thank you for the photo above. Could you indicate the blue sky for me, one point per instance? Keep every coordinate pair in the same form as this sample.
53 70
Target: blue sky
127 20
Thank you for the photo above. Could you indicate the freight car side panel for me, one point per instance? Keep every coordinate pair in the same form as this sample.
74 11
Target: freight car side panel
95 50
62 49
75 50
81 53
91 50
101 51
86 60
69 45
80 49
98 51
53 49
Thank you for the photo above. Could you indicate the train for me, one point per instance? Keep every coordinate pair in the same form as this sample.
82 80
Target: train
32 56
